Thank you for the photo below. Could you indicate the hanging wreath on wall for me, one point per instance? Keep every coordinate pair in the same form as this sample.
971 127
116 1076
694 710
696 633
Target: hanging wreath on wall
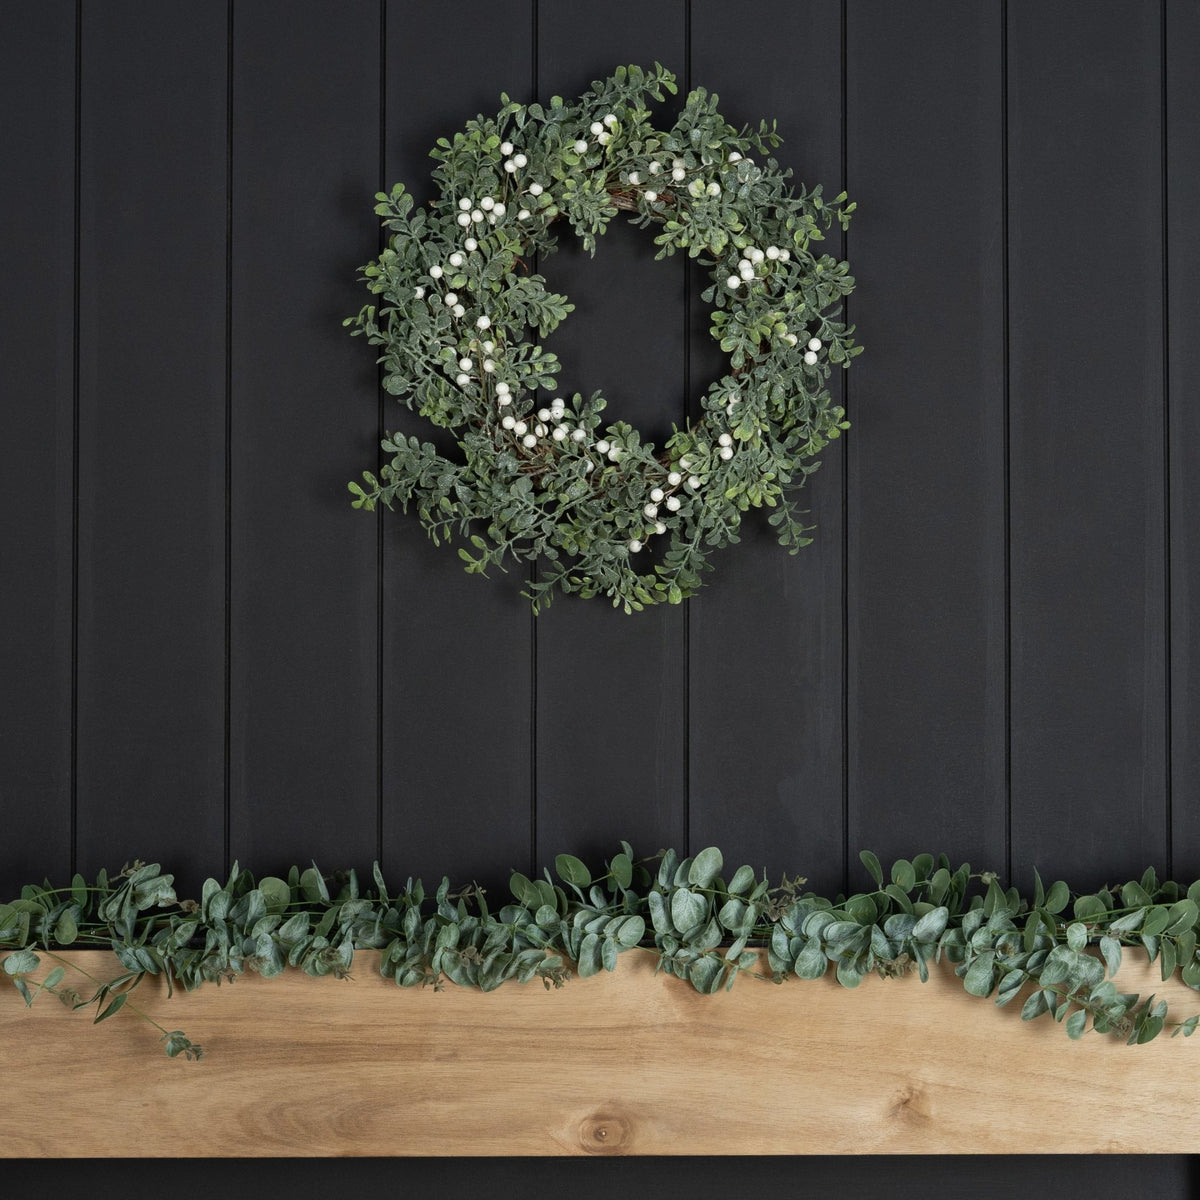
540 477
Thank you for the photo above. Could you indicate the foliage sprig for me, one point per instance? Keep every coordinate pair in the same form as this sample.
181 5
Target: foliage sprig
1057 951
546 480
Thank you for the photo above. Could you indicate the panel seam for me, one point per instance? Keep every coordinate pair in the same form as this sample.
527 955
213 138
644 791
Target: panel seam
1006 385
1168 600
846 467
75 463
227 698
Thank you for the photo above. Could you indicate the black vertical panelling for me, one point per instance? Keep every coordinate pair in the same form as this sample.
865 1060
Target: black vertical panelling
457 682
766 636
611 687
1182 242
37 190
1085 271
151 435
926 454
303 588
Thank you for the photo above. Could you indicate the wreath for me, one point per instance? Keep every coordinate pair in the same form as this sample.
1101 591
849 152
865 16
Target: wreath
539 477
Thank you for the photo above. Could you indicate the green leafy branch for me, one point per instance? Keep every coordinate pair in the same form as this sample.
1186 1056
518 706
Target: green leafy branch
1059 950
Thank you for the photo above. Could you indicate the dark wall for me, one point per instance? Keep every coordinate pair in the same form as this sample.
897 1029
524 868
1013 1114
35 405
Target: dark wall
988 648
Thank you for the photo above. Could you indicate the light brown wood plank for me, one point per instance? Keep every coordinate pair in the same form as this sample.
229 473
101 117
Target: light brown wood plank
629 1063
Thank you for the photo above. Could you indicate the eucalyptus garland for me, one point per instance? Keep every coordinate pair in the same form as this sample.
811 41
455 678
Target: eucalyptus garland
702 927
540 477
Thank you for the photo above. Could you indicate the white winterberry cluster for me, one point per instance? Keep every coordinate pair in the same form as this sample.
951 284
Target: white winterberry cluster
756 263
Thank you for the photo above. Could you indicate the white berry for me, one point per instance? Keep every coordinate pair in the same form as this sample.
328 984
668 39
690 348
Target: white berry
456 259
487 203
419 293
459 311
656 494
733 282
655 167
772 252
435 272
726 452
651 510
734 156
579 435
529 440
503 399
659 527
464 364
635 546
673 503
488 365
559 434
714 188
519 428
535 189
464 219
650 197
510 166
693 481
674 479
471 244
543 414
814 343
483 322
614 455
725 440
506 148
520 160
604 138
509 421
464 204
610 119
451 298
601 447
754 254
502 388
523 215
810 358
634 178
678 174
581 147
487 347
596 127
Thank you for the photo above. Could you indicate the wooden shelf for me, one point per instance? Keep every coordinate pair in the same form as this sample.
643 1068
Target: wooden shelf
629 1063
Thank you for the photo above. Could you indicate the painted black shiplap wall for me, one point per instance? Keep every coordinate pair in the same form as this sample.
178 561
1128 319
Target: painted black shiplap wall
988 649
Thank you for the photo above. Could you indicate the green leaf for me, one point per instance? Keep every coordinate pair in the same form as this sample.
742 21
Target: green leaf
21 962
573 870
276 893
903 875
65 928
1111 949
980 975
1057 897
742 881
1034 1006
1077 935
706 866
116 1004
688 910
870 861
932 925
1076 1023
622 870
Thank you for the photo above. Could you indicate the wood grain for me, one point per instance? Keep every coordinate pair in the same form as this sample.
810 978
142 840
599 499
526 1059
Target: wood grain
631 1063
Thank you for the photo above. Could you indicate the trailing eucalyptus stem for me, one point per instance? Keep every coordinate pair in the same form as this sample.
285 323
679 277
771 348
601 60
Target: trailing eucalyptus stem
1059 951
